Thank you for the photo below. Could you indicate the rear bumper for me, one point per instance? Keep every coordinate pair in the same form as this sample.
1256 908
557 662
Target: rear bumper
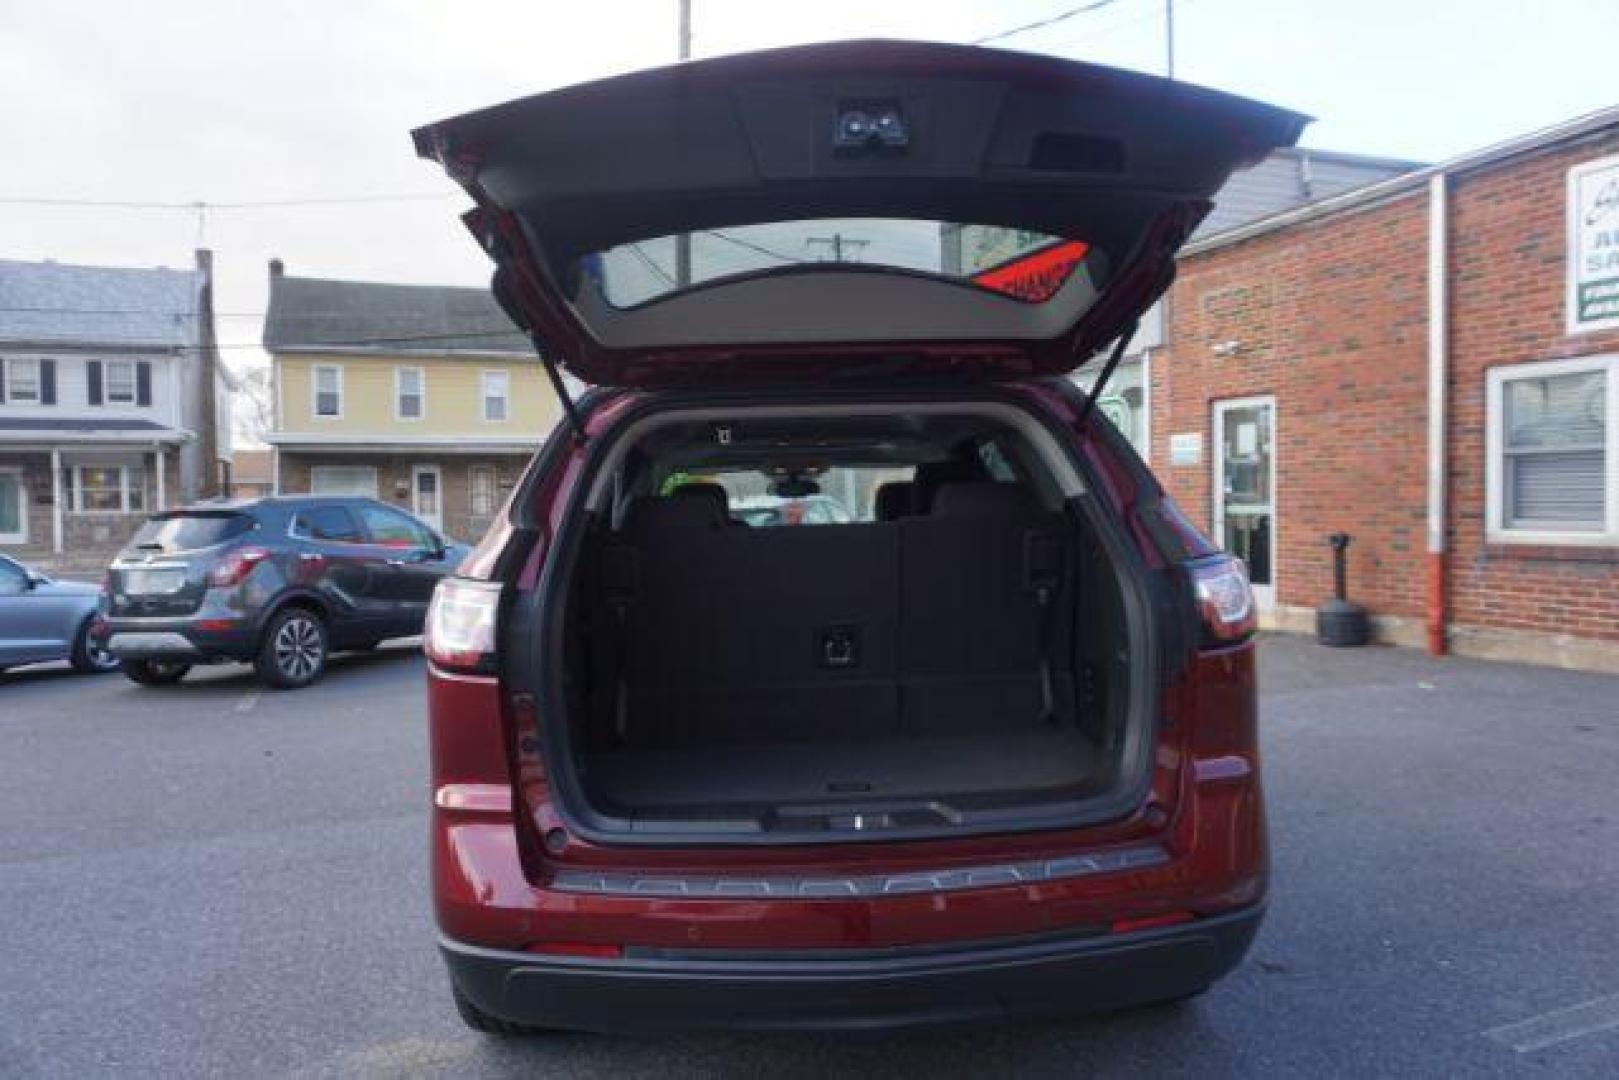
178 639
651 990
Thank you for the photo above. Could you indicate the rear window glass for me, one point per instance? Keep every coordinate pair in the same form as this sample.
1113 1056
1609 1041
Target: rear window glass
839 495
1029 266
331 523
187 532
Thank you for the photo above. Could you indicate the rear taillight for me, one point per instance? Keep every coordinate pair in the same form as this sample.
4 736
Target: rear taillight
234 566
461 625
1225 601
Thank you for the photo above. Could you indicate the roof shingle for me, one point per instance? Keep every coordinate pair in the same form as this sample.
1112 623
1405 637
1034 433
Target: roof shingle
319 313
46 303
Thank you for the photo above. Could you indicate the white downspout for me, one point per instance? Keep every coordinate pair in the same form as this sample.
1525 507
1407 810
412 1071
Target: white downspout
1438 367
162 489
56 500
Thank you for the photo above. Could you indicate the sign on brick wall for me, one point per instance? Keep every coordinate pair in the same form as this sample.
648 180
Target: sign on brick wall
1593 245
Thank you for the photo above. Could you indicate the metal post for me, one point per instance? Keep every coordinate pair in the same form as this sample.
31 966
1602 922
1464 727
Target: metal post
1169 39
683 240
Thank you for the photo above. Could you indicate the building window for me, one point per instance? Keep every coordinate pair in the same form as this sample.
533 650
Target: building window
481 485
495 387
1553 469
104 489
328 390
22 381
343 480
120 382
410 385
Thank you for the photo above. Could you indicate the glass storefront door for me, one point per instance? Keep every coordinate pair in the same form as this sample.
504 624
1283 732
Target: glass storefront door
1245 487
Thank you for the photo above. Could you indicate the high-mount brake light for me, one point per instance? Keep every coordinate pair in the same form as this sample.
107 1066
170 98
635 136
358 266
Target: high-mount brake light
461 624
1225 600
234 567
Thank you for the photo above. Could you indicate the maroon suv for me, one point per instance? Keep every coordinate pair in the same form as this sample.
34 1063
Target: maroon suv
983 742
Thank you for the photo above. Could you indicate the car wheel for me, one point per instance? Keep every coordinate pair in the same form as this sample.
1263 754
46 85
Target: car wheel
293 652
88 656
154 672
478 1020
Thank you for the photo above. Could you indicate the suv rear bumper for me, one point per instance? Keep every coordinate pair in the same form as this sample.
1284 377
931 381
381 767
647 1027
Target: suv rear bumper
182 638
652 990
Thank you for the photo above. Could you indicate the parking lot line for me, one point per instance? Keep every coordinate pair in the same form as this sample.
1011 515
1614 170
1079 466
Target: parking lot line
248 700
1560 1025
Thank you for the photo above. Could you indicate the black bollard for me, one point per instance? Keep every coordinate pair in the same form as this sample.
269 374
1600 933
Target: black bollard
1338 622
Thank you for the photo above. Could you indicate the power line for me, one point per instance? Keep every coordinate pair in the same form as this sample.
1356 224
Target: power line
1040 24
751 246
198 205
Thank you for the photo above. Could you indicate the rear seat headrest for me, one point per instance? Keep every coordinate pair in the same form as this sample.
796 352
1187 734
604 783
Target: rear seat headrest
894 500
656 512
983 499
933 475
707 490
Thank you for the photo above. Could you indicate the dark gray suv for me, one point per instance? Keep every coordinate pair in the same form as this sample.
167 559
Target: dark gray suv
276 582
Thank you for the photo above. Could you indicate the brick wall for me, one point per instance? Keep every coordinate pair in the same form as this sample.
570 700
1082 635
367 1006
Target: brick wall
394 474
1330 316
1508 241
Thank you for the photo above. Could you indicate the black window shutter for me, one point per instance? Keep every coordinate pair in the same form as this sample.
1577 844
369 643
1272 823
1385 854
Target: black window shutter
92 374
143 384
47 382
2 382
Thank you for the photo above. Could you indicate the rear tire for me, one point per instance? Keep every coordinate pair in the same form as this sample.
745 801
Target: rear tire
154 672
478 1020
293 651
89 657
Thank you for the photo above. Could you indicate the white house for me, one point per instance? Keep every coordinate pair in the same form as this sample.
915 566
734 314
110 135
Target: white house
113 403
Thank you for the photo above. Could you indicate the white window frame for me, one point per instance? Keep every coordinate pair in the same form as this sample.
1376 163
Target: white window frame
21 536
73 497
316 470
505 377
1496 530
107 368
314 392
473 472
11 375
399 394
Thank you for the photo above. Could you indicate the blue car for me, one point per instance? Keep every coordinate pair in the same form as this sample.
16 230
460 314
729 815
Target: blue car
43 620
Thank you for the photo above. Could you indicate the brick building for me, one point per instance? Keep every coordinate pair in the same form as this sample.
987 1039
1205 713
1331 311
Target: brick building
1429 363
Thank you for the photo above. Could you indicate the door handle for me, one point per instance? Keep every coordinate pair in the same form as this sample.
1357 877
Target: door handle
308 556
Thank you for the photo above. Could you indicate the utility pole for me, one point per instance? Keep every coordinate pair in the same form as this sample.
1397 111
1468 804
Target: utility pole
683 240
1169 39
836 243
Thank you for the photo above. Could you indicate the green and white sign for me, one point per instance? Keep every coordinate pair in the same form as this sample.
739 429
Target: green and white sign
1593 245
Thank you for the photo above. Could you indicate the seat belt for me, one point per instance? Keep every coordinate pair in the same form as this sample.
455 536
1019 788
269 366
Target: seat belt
1042 571
620 577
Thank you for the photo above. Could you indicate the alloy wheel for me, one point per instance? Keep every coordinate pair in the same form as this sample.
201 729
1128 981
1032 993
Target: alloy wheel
298 648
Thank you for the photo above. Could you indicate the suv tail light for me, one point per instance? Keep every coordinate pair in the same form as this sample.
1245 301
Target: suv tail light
1225 600
235 565
461 624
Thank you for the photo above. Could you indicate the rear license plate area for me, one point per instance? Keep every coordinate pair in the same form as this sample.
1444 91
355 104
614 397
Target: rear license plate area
153 582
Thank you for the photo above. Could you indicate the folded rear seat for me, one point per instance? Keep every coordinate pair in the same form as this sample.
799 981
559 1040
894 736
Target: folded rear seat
741 634
933 625
986 600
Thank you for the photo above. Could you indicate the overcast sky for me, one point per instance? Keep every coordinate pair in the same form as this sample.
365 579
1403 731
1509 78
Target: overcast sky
225 101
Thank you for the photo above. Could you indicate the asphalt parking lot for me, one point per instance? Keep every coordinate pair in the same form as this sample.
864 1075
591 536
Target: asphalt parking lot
211 879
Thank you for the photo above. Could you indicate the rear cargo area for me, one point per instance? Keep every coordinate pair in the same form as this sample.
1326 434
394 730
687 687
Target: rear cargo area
958 656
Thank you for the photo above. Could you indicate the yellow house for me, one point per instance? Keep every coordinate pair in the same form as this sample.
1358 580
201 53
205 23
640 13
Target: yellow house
423 396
